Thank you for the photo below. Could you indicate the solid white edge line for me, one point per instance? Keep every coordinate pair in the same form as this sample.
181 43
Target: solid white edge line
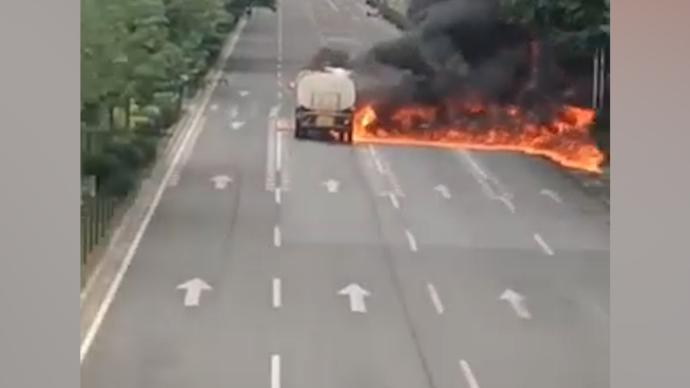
277 293
544 246
411 240
277 238
435 298
469 376
114 286
275 371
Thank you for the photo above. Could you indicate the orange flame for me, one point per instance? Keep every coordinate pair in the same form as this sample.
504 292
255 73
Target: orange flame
565 140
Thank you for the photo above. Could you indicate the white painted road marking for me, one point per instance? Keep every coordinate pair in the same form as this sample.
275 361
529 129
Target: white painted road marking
214 107
332 4
277 293
112 290
332 185
411 241
277 238
507 202
543 244
443 190
394 200
516 302
278 196
469 376
551 194
435 299
244 93
174 180
356 294
236 125
221 181
193 289
377 161
275 371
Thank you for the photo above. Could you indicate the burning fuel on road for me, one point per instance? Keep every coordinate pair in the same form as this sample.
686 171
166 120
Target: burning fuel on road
460 77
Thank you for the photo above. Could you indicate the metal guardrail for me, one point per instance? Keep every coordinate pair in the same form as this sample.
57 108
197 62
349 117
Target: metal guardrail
97 216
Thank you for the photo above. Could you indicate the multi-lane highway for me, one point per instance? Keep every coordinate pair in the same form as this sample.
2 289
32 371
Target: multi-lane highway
275 263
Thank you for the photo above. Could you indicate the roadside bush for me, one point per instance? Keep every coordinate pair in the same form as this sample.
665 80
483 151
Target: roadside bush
121 183
102 165
131 156
148 145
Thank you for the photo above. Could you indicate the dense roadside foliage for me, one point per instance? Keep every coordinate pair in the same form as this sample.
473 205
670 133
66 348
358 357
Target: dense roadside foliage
138 59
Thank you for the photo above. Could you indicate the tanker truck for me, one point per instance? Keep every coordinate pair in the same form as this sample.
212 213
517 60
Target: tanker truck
325 102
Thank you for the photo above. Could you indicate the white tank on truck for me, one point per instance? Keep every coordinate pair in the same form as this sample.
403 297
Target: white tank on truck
325 103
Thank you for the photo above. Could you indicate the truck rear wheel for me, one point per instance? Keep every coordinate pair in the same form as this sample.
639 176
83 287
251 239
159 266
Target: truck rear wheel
298 130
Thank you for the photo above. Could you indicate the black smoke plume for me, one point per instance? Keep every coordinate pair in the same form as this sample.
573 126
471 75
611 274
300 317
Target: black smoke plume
460 50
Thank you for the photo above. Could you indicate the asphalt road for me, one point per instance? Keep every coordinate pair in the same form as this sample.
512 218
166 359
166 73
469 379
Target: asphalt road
278 227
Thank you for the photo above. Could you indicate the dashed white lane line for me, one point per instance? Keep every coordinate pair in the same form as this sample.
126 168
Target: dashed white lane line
469 376
277 236
435 298
275 371
394 200
544 246
278 195
377 161
411 241
277 293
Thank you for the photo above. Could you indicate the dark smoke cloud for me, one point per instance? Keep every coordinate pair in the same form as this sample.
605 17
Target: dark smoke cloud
458 49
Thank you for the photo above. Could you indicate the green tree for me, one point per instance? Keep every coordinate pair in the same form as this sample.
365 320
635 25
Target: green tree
580 26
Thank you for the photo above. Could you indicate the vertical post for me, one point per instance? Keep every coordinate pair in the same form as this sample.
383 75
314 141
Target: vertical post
82 240
603 79
595 80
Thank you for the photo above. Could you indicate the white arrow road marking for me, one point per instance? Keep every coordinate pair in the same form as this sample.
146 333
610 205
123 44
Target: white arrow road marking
237 125
214 107
551 194
277 293
356 294
193 289
443 190
411 241
469 376
275 371
435 299
516 302
544 246
244 93
332 185
221 181
277 238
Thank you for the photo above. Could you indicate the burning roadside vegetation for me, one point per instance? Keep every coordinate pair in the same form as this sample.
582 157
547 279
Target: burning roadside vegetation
460 77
